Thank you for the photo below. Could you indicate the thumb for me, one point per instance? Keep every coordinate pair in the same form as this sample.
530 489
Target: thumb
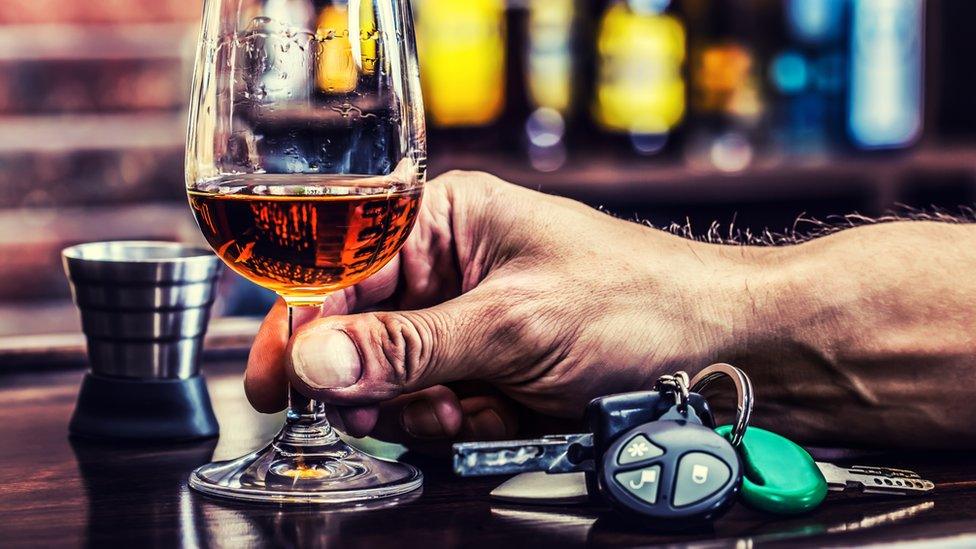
373 357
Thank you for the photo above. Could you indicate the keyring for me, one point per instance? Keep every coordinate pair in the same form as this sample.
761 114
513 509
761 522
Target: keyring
678 385
743 391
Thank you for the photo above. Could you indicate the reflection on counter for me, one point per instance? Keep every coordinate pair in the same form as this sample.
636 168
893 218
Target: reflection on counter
156 473
227 524
574 525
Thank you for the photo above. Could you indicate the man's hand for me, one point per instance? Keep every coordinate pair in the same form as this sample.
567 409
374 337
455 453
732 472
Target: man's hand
547 303
550 302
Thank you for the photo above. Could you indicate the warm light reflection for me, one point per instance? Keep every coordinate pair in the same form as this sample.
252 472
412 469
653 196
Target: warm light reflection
724 81
336 71
305 473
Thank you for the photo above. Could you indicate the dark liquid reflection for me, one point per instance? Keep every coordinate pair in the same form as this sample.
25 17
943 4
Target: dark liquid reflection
132 490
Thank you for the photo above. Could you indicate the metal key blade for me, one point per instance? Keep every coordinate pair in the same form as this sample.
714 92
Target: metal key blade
875 480
553 454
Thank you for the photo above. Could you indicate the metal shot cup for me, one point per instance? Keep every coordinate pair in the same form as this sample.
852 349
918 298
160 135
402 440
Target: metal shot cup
144 305
144 310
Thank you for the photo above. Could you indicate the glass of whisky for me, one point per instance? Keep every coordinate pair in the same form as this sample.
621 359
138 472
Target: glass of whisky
305 165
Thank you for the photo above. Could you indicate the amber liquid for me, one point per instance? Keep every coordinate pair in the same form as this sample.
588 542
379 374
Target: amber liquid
308 239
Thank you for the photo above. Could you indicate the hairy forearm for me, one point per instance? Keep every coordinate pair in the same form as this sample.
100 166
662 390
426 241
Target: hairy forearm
865 337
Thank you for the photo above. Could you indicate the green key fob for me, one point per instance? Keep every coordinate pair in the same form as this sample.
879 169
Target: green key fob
778 475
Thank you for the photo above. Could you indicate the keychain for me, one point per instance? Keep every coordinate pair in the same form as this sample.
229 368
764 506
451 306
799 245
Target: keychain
655 455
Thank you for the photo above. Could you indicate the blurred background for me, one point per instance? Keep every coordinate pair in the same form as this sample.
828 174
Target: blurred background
749 113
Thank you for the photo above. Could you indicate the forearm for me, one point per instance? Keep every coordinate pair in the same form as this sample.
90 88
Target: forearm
865 337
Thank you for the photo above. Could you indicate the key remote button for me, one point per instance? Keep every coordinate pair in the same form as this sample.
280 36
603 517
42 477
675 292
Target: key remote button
641 483
638 449
699 476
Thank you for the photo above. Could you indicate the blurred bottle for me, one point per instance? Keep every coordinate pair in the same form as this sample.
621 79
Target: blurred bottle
462 47
807 77
726 104
885 98
640 90
554 61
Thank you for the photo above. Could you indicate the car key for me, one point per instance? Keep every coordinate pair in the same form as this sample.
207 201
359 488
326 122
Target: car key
669 465
874 480
608 417
780 476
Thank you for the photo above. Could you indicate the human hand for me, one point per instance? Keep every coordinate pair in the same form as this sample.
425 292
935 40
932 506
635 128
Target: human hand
546 301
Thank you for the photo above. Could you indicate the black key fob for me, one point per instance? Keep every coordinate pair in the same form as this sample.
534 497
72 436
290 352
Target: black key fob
610 416
675 471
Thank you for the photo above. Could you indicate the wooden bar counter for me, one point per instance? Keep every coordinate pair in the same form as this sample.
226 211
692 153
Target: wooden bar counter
58 492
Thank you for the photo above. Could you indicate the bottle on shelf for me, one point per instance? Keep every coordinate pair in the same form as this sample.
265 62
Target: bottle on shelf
725 98
807 79
885 96
639 92
554 64
463 49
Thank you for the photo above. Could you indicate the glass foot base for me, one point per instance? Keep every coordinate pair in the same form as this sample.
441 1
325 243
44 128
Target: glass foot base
326 472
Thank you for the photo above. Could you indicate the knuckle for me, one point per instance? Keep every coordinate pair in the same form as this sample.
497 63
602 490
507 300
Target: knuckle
405 345
452 180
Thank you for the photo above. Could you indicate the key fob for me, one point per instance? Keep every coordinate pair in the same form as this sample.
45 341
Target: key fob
610 416
674 468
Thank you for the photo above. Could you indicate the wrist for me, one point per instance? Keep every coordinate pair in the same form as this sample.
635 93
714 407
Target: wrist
777 306
739 295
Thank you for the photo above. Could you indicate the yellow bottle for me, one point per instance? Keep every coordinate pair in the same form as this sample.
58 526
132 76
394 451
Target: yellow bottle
550 56
461 44
640 89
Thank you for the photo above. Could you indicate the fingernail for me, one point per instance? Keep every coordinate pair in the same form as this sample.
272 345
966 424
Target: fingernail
420 420
329 360
485 424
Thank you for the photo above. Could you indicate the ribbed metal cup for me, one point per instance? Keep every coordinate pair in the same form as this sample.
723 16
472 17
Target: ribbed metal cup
144 305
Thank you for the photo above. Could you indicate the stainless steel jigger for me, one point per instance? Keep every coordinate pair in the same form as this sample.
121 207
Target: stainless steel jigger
144 310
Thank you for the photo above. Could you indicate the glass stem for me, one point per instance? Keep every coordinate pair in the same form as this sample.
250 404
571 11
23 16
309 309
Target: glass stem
305 421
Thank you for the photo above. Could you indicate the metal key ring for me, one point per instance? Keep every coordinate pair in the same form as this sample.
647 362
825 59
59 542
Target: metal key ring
743 390
677 384
683 384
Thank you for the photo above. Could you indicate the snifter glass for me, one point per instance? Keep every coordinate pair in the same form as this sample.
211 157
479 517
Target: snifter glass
305 162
